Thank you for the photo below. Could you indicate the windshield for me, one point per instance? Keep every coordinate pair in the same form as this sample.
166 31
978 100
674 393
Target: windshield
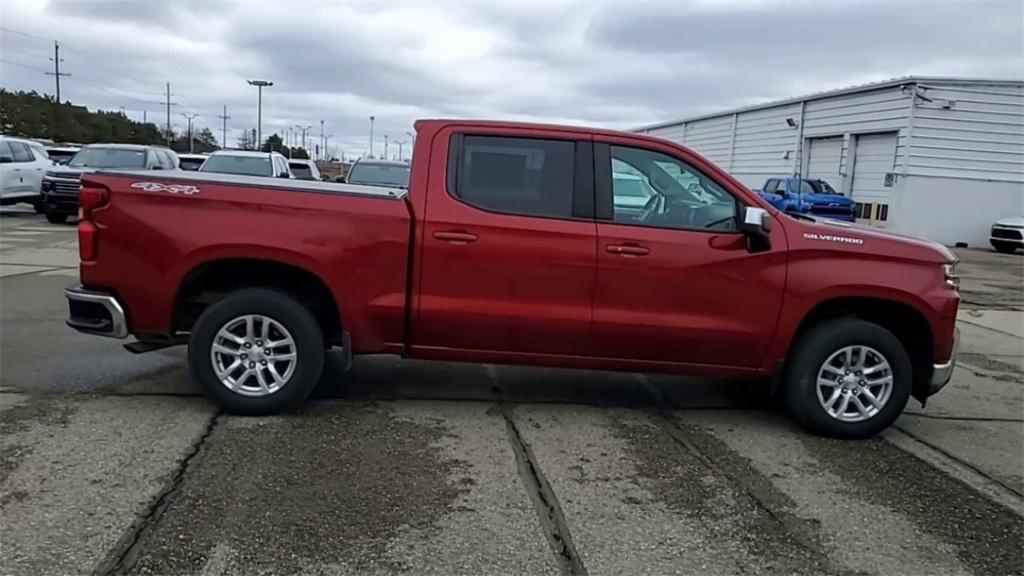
301 171
379 175
244 165
817 187
190 163
108 158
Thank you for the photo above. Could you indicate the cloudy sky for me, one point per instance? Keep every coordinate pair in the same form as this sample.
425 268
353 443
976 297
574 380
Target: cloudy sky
616 65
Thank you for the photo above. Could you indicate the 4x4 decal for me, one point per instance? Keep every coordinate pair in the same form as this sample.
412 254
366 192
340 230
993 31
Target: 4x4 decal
185 189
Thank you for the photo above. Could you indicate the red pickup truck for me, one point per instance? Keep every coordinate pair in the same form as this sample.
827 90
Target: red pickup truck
524 244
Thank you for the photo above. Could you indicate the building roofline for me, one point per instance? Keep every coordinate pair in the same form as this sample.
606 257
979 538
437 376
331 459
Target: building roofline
839 92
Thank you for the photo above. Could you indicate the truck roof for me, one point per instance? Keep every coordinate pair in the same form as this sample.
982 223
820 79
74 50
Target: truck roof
442 122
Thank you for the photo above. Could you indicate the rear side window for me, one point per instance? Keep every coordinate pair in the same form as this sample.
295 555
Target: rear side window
21 152
516 175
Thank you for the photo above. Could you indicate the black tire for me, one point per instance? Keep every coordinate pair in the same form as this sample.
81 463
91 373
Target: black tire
1004 247
282 308
55 217
38 207
808 356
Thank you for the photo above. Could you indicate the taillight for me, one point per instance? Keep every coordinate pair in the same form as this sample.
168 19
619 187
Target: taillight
88 235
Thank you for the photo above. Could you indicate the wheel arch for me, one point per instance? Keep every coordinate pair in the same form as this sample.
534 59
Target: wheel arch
905 321
211 280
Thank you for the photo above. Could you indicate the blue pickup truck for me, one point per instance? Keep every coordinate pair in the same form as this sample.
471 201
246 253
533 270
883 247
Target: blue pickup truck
808 196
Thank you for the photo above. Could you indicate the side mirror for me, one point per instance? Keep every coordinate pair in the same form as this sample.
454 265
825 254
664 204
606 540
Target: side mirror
6 159
756 225
157 167
284 175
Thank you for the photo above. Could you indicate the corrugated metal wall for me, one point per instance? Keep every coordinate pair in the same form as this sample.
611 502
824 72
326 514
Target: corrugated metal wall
968 131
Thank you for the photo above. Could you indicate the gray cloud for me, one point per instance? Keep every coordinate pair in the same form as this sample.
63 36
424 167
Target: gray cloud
606 64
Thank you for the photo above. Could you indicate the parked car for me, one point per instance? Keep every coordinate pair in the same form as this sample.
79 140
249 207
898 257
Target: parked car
61 183
304 169
808 196
22 165
1007 234
191 162
61 154
241 162
386 173
508 248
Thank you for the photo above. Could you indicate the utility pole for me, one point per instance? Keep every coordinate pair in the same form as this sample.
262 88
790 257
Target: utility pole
56 68
400 144
260 85
371 137
323 149
56 76
189 117
169 104
385 146
144 120
224 127
327 156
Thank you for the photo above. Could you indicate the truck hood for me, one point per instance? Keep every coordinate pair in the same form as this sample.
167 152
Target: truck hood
866 239
1012 222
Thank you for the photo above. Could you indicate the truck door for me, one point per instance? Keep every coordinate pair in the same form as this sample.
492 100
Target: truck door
677 283
508 251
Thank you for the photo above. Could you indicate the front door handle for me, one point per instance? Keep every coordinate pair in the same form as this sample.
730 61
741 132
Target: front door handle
455 237
627 249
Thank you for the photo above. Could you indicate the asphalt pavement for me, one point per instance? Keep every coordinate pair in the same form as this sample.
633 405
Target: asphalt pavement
113 463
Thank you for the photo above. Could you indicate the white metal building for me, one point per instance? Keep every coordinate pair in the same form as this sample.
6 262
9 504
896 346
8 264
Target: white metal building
938 158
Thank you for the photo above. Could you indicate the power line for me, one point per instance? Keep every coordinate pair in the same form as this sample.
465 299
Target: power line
26 34
36 68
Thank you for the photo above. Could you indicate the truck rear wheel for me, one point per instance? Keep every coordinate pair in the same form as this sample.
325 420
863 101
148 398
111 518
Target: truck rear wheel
847 378
257 351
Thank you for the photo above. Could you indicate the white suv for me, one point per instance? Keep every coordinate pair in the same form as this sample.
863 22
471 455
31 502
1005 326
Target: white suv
22 165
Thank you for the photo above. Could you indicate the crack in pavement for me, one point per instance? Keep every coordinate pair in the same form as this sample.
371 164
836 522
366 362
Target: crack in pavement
959 469
549 511
120 559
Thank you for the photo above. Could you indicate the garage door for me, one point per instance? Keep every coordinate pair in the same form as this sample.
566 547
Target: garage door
875 157
824 157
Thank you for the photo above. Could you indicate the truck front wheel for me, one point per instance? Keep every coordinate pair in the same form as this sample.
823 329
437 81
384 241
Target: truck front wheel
257 351
847 378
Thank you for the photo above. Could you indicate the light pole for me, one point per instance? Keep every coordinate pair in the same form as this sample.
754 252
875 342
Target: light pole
259 84
189 117
371 136
385 146
327 157
304 129
321 146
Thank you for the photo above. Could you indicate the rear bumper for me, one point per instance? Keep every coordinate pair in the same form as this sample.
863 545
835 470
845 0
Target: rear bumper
941 373
95 313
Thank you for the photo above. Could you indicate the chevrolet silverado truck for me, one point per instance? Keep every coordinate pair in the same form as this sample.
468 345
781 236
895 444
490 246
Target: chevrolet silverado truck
808 196
510 246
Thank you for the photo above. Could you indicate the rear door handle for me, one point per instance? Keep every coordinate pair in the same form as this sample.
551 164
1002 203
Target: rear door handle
455 237
627 249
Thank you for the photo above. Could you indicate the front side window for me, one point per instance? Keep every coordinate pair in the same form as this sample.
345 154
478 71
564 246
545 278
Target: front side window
517 175
242 165
676 195
108 158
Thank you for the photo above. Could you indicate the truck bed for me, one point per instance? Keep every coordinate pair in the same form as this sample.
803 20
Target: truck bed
156 230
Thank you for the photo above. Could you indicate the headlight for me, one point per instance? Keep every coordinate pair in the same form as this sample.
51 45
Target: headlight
952 279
